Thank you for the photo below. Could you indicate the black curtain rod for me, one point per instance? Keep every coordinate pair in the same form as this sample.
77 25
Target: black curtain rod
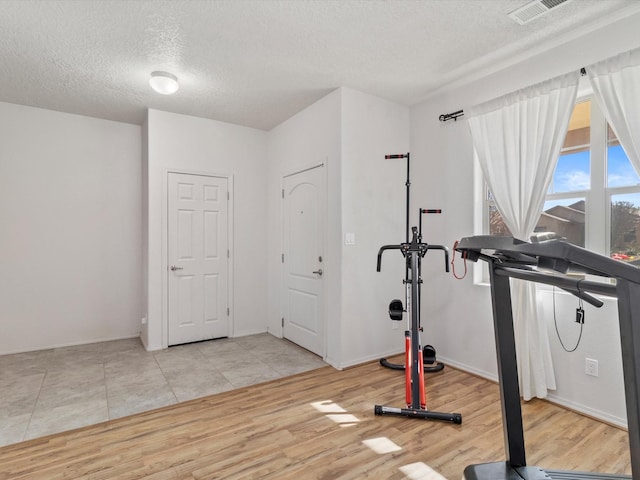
451 116
454 116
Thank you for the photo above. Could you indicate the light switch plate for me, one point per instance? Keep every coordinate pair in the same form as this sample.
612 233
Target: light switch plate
349 238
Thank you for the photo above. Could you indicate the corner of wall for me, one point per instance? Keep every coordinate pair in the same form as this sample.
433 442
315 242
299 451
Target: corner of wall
310 137
144 333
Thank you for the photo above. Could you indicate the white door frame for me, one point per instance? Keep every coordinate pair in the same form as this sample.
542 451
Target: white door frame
165 248
324 216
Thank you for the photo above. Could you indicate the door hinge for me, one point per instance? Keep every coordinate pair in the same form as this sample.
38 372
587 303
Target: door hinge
228 311
228 254
282 322
228 196
283 193
283 258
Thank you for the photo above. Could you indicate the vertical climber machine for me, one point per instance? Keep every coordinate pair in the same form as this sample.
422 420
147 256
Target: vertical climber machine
413 251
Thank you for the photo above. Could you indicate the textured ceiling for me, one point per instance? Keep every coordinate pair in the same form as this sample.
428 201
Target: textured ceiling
258 62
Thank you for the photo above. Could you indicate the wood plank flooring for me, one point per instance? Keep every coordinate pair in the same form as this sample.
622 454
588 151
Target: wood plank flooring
318 425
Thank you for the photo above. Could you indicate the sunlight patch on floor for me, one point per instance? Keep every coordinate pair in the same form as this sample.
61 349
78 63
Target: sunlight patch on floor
381 445
420 471
344 419
335 413
327 406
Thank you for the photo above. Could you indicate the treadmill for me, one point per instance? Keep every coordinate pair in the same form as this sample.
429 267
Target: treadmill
550 262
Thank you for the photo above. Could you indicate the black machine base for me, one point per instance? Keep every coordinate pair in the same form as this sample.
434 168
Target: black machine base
418 413
504 471
400 366
430 365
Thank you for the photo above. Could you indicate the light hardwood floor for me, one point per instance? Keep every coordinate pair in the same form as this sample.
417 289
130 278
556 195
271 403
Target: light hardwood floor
318 425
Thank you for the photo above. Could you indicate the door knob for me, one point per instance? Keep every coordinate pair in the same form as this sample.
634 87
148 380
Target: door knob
319 272
174 268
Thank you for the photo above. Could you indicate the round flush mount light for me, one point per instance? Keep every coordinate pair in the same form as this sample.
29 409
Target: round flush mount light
164 82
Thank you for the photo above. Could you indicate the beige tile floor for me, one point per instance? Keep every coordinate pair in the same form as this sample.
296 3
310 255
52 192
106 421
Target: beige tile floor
50 391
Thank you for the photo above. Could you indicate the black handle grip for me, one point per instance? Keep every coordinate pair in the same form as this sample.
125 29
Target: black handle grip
399 155
446 254
430 210
382 249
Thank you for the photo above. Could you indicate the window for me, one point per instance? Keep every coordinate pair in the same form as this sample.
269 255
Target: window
594 197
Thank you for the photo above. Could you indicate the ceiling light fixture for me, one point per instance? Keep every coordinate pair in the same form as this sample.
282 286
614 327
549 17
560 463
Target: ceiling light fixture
164 82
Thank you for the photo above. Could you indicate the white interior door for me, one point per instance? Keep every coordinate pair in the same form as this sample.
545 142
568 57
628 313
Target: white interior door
198 258
303 214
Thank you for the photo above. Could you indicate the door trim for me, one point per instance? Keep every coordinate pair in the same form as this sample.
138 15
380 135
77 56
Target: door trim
165 247
319 165
325 207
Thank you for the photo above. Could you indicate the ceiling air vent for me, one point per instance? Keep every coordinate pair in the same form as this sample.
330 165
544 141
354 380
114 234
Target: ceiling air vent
535 9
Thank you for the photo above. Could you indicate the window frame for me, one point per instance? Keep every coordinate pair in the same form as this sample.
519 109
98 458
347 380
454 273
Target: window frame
598 198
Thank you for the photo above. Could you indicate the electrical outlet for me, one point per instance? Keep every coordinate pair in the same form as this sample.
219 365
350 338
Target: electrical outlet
591 367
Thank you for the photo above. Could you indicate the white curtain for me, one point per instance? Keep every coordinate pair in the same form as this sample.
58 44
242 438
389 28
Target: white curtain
616 88
517 139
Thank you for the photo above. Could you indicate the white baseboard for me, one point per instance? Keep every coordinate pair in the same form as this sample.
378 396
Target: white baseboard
367 359
468 368
563 402
588 411
246 333
276 333
70 344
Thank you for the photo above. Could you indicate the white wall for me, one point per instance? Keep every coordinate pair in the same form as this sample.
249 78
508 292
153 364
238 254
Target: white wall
350 132
373 208
309 138
461 311
70 241
144 199
602 396
184 143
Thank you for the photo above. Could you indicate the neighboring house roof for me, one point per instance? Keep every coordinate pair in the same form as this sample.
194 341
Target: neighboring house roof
553 217
567 213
